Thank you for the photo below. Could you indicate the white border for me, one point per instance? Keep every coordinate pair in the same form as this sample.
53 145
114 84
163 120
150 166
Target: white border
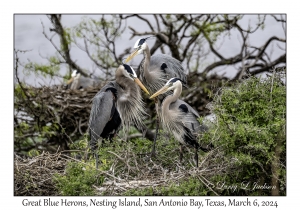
8 201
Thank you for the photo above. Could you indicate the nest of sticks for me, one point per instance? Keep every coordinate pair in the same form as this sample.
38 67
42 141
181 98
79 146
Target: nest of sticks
66 113
132 172
53 114
34 176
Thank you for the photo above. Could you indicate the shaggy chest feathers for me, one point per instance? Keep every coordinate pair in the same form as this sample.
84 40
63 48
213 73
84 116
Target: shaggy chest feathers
131 106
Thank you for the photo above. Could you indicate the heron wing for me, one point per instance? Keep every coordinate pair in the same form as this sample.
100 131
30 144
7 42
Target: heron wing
169 65
102 111
183 106
189 115
190 123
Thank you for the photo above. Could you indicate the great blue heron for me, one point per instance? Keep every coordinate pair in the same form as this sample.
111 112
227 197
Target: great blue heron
78 81
118 102
154 71
180 118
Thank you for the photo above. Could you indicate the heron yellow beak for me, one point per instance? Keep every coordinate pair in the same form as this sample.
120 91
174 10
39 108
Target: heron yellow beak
137 81
161 91
132 55
70 80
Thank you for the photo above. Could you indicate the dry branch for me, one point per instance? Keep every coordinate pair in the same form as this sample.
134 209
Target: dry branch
64 113
34 176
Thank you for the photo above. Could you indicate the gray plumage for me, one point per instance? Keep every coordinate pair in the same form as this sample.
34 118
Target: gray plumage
118 102
104 118
78 81
179 118
154 71
183 121
173 66
84 82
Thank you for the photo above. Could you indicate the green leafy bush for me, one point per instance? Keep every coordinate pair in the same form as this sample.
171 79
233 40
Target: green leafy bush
250 129
78 180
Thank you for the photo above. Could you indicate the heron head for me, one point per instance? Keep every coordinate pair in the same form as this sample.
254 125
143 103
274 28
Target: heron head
75 74
170 85
173 83
139 46
129 72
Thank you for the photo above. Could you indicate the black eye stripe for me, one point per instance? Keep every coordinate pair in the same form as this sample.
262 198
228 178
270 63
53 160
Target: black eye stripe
128 68
175 79
141 42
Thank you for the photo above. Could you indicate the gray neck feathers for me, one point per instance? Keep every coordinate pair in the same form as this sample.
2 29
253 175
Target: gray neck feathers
172 119
151 76
130 104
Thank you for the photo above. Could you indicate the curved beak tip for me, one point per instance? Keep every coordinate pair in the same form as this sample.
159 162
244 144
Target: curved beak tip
161 91
141 86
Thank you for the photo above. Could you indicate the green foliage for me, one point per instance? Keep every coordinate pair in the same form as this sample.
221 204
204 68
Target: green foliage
137 146
18 92
168 17
33 130
80 144
214 30
33 153
49 129
54 60
261 22
67 36
100 35
189 187
45 70
250 127
78 180
81 176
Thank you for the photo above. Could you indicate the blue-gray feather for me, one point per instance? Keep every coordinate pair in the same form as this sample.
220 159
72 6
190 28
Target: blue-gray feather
174 67
104 117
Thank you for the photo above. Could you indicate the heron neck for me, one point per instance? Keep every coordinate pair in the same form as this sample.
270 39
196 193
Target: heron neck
130 103
170 99
146 63
75 84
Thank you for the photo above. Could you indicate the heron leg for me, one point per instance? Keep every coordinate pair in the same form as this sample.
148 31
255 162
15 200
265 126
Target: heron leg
196 157
180 153
95 149
155 137
97 159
